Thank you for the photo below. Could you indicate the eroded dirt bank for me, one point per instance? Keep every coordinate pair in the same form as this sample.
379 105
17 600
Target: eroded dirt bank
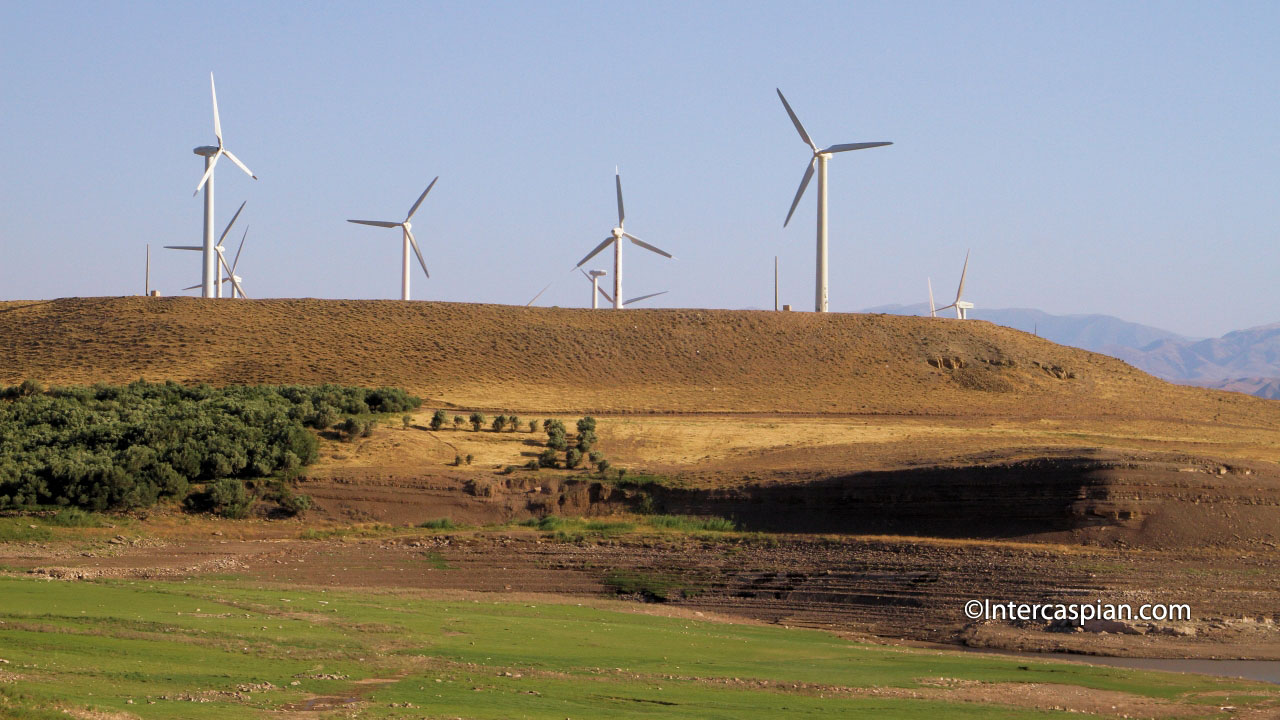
1151 502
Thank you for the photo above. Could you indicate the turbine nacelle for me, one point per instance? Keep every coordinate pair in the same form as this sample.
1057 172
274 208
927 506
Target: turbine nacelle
617 233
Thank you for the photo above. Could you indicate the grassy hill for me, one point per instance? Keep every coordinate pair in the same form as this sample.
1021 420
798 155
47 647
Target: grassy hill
581 360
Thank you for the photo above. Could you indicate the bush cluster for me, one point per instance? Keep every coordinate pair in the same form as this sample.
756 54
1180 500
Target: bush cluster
119 447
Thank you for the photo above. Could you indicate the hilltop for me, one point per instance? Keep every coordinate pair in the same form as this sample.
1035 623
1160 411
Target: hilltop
570 360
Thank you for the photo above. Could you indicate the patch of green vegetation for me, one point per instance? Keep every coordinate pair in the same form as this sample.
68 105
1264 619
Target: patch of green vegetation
437 561
21 530
654 587
440 524
96 646
355 531
689 523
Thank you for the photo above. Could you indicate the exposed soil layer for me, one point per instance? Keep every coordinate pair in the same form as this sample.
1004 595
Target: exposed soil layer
912 589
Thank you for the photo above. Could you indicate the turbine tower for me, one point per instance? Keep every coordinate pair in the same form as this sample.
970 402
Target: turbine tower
820 158
962 307
408 239
219 257
209 277
615 237
594 276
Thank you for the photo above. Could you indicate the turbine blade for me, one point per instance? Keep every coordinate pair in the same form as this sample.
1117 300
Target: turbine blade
421 197
235 263
236 160
945 307
854 146
193 287
217 124
799 128
417 252
933 311
184 247
375 223
804 183
208 172
647 246
645 297
604 294
595 252
963 272
584 274
222 260
535 297
622 214
233 222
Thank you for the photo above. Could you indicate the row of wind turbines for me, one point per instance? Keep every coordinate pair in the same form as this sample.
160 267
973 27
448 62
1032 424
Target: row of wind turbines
214 262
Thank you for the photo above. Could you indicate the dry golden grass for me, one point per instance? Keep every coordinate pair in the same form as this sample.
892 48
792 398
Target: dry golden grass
560 360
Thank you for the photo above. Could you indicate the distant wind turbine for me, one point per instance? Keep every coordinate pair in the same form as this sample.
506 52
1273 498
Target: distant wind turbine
962 307
933 311
209 277
820 158
615 238
409 240
219 251
594 277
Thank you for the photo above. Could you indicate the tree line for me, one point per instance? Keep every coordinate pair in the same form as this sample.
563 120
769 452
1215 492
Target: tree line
108 447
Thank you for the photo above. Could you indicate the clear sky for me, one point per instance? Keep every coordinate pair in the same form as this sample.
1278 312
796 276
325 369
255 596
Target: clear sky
1109 157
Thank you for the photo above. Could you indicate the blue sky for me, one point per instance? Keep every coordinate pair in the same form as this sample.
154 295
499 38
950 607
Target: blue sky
1097 157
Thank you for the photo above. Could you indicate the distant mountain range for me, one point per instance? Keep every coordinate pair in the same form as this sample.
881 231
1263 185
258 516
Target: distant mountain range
1245 361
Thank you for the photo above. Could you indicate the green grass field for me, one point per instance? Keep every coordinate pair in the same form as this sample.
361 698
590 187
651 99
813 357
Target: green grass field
230 648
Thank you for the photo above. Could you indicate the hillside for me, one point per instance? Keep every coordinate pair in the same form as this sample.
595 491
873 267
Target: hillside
570 360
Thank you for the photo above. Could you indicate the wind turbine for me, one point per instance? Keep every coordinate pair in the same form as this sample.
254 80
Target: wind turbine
615 237
209 278
962 307
933 312
408 240
594 277
820 158
232 277
218 251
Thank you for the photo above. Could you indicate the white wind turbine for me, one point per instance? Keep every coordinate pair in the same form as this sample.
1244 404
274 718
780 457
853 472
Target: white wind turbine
219 255
615 238
408 240
933 311
210 287
962 307
595 275
820 158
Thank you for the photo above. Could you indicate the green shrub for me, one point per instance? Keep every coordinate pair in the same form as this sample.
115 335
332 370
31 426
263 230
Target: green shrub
407 420
533 426
587 424
572 458
438 420
477 421
586 439
457 421
548 458
229 498
499 423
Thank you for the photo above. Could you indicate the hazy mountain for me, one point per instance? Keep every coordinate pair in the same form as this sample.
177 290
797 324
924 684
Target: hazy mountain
1245 361
1241 355
1099 333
